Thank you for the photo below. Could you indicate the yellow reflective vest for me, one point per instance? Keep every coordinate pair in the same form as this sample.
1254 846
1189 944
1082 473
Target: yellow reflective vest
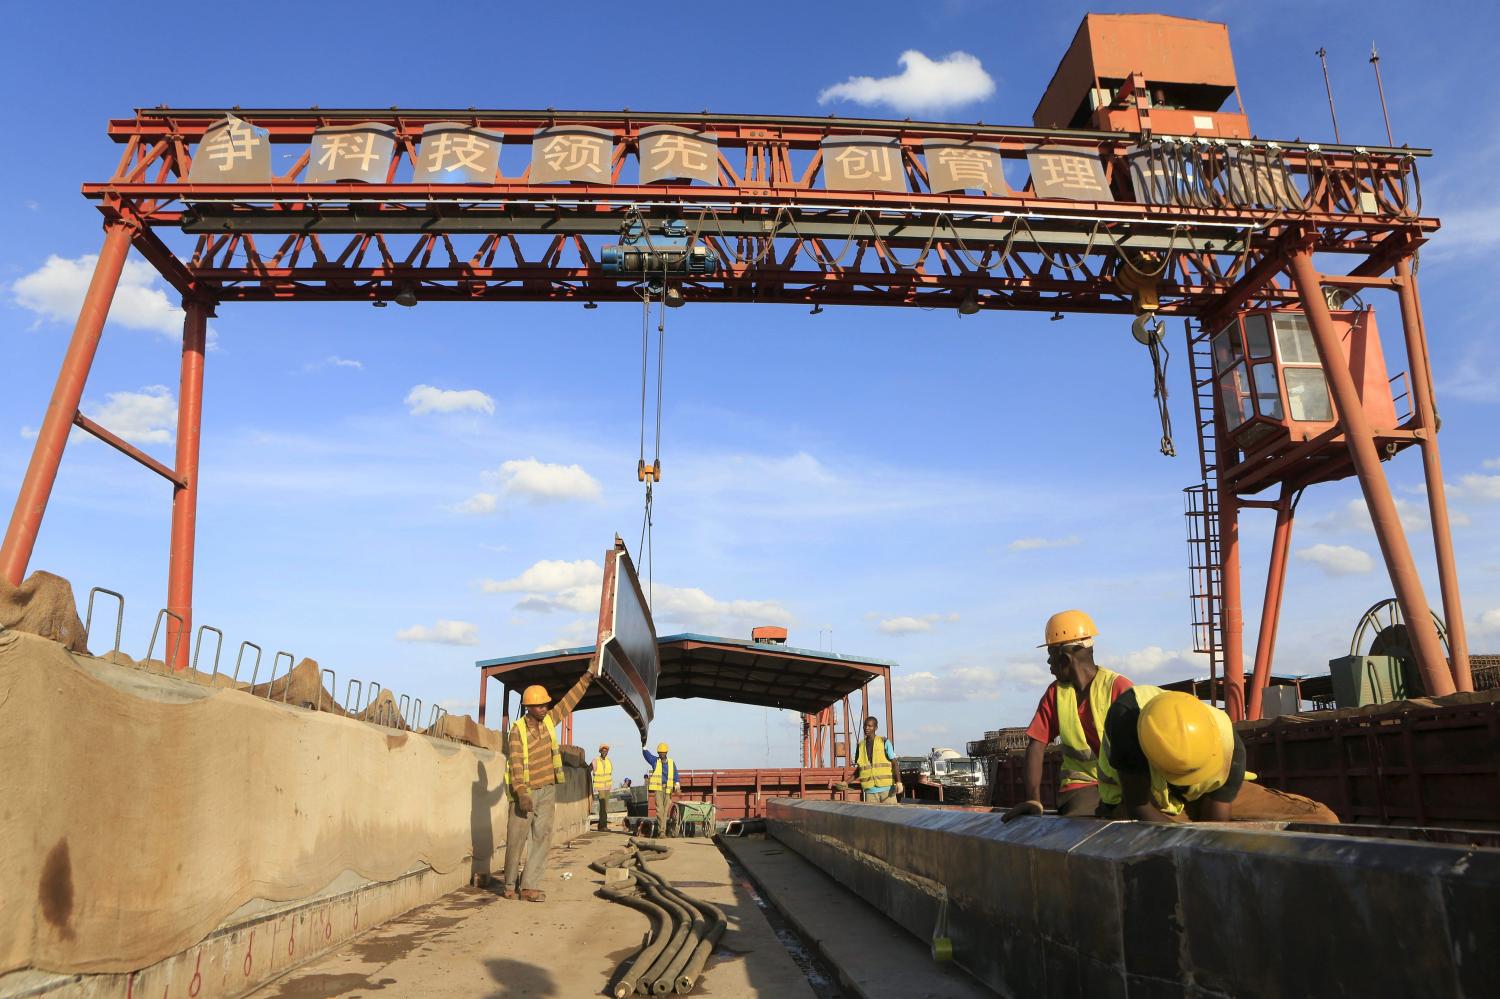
557 766
654 783
604 773
1170 799
876 774
1079 764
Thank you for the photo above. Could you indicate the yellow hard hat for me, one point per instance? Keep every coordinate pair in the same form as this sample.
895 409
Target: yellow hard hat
1179 736
661 747
1069 626
535 694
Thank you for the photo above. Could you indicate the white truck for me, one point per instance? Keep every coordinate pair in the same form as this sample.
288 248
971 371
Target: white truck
950 767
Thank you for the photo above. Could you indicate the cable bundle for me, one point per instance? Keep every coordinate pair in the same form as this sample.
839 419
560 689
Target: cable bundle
684 929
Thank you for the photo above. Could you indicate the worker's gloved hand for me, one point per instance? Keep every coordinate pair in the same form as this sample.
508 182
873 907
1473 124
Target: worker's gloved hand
1024 808
676 788
900 789
524 806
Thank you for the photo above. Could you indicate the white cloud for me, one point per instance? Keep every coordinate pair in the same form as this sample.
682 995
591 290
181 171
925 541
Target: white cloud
1489 622
1355 516
1155 662
573 587
479 503
1492 463
1338 560
576 635
1476 486
1034 544
442 633
908 624
145 417
548 576
539 482
959 683
55 293
924 84
334 361
29 432
428 399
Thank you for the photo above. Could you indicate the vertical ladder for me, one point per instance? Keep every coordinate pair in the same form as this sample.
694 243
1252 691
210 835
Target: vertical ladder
1205 560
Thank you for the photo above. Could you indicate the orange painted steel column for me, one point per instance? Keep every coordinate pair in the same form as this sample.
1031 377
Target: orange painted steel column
46 455
185 496
1270 614
484 686
890 719
1233 614
1377 491
1432 470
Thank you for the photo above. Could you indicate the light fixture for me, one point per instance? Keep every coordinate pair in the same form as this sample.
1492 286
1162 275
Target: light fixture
1056 317
406 296
969 304
815 310
591 305
380 303
673 298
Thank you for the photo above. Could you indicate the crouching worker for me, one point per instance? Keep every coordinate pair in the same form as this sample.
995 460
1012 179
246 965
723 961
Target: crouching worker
1169 757
535 768
1073 709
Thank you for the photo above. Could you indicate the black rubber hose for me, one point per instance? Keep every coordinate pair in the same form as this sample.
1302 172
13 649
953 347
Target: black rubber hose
626 983
687 979
646 844
682 923
705 917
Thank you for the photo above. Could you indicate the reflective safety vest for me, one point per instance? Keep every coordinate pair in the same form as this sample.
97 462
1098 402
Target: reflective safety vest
1170 799
1079 764
557 766
604 773
877 773
655 783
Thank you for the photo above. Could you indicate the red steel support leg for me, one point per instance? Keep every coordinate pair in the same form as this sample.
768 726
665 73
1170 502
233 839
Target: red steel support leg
1233 612
185 496
46 455
484 686
1270 614
1377 491
890 718
1432 469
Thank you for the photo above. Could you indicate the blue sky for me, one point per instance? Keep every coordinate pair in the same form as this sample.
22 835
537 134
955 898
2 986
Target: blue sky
923 488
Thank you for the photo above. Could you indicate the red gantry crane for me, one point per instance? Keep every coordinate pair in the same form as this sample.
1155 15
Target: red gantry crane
1134 192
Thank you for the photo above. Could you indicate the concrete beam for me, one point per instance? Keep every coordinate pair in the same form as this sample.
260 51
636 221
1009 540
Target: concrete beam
1073 907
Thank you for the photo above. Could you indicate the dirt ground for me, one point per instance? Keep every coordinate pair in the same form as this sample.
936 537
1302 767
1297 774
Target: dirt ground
473 943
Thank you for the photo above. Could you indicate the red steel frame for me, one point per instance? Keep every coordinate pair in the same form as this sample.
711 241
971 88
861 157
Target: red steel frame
780 238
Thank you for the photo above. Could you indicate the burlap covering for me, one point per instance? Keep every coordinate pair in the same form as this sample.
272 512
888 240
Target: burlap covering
131 827
43 605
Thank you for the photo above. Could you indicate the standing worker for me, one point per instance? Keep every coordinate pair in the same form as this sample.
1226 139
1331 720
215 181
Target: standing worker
875 767
1073 707
1169 757
661 782
604 782
535 769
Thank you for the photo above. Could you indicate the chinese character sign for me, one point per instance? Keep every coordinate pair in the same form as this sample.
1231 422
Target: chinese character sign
964 166
351 152
1067 173
232 151
1150 177
862 163
669 152
453 153
571 152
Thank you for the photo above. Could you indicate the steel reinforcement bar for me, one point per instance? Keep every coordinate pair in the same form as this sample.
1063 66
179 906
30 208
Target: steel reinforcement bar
1069 907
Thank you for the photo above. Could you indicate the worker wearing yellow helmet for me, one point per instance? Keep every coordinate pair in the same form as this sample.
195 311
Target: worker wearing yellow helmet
661 782
604 782
535 768
1169 757
1072 709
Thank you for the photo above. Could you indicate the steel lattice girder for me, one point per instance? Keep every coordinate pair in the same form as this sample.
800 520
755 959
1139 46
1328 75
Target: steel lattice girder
780 236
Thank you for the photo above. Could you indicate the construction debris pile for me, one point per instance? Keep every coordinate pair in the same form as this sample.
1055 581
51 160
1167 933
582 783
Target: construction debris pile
684 930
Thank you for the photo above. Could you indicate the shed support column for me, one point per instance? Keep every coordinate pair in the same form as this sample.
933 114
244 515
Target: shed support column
1270 615
484 686
46 454
185 496
890 718
1432 470
1233 620
1377 491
